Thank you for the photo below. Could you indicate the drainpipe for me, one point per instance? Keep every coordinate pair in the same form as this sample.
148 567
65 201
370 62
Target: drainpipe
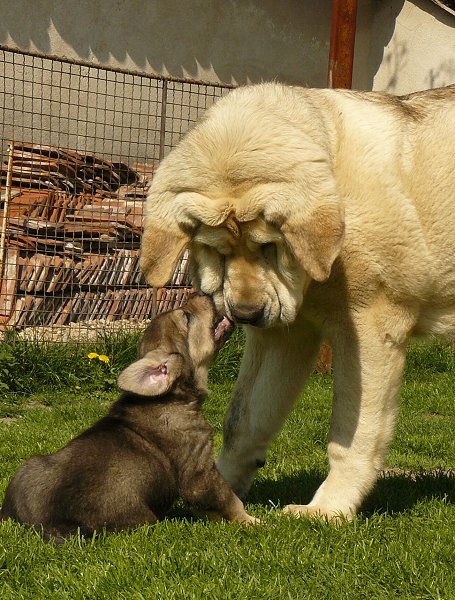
342 41
341 58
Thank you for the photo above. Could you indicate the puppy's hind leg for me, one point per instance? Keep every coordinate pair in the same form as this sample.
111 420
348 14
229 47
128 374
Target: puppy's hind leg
59 533
141 515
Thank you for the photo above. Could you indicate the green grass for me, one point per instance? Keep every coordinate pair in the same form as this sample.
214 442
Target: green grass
400 546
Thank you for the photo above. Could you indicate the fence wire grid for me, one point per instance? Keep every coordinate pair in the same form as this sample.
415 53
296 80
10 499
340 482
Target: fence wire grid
80 144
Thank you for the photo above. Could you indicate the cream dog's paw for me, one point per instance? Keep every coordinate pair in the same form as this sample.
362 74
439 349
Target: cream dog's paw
315 512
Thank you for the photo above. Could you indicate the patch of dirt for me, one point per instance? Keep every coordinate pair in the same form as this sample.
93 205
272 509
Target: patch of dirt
9 420
84 331
434 416
414 475
35 404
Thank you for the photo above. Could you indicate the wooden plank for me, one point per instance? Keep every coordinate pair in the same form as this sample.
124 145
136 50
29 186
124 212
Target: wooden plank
9 282
78 231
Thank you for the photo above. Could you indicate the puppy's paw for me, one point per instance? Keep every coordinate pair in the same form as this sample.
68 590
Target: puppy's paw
243 518
249 520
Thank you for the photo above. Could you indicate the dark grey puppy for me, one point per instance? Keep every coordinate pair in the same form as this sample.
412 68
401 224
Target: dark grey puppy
153 446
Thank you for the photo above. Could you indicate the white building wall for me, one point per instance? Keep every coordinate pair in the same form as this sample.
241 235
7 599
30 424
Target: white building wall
421 51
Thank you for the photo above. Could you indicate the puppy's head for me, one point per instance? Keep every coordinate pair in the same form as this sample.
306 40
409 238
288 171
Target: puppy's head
178 346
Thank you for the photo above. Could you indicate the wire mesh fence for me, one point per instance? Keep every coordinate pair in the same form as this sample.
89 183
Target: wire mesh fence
80 145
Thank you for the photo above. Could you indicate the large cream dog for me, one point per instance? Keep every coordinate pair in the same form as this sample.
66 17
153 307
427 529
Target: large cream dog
315 214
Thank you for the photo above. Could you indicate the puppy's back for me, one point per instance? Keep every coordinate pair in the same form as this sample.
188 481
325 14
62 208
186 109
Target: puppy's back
100 479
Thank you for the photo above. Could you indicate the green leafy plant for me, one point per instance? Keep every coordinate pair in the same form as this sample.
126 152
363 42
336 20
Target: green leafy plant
28 367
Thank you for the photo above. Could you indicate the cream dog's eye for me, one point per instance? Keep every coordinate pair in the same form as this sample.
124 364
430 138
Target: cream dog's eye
220 249
269 251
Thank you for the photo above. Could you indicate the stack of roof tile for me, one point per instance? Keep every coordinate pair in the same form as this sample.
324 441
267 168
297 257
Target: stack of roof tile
72 225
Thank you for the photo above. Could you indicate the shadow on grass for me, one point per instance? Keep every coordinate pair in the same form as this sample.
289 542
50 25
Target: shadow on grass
394 492
298 488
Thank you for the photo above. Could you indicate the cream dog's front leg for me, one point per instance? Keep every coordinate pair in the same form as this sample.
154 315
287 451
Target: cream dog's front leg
274 368
369 359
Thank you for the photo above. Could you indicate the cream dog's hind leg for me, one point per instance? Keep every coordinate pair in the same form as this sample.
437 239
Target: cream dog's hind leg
274 368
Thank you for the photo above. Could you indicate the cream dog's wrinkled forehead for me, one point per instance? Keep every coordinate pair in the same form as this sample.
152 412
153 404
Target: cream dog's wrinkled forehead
218 209
229 233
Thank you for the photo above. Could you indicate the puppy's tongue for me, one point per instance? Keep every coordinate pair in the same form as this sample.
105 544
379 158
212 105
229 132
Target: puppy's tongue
223 330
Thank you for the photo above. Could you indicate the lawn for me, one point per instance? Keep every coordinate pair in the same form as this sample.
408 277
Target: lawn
400 546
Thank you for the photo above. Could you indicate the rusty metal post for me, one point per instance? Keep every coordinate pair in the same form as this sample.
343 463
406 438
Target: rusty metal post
341 60
342 41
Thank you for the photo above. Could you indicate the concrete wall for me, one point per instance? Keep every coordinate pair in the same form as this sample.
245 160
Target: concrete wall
233 41
401 45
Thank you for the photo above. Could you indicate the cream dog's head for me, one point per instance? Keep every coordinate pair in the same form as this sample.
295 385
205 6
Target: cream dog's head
251 193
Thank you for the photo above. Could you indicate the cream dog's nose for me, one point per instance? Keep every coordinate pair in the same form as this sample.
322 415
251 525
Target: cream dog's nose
248 315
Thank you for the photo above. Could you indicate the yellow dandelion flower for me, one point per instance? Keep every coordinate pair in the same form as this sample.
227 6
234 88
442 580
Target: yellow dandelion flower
92 355
103 358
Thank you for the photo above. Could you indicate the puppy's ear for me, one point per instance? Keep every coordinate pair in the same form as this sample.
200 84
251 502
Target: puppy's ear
152 375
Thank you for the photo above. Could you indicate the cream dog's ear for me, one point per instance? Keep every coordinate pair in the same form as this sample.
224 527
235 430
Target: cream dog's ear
313 227
166 233
161 248
171 220
317 240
